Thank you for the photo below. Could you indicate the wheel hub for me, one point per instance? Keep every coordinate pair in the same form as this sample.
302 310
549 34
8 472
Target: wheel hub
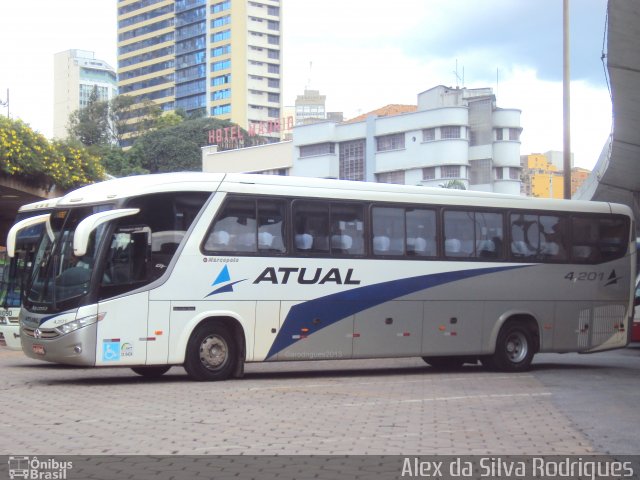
213 352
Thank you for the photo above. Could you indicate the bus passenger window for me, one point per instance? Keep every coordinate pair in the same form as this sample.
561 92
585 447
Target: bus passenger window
525 237
271 215
311 227
388 231
347 229
552 237
234 229
421 232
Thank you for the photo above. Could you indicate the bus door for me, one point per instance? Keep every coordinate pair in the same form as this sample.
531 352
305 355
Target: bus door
123 334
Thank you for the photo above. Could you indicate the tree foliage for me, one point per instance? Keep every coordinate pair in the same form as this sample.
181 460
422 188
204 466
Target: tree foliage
90 125
175 148
30 157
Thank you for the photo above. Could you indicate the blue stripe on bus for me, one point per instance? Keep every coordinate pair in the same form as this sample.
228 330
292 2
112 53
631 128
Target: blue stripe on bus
335 307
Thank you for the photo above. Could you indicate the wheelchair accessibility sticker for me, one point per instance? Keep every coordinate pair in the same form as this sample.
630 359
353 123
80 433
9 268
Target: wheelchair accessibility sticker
111 350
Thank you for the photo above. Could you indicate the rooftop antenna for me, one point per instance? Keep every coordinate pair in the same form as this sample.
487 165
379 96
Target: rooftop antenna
458 78
309 79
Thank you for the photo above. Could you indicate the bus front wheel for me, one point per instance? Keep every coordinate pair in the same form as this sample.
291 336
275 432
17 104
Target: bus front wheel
514 348
211 353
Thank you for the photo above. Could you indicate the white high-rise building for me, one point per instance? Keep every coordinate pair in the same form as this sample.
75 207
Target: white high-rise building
76 73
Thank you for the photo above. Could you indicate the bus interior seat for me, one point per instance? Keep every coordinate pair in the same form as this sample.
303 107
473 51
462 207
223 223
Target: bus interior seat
520 249
381 244
584 253
217 239
246 242
419 246
341 242
452 246
486 248
304 241
265 240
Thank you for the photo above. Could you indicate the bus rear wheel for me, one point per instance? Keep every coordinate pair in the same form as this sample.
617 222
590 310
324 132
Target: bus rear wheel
445 363
514 348
151 372
211 353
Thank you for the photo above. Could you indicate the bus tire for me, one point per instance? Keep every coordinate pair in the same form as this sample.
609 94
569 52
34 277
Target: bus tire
515 348
151 372
211 353
445 363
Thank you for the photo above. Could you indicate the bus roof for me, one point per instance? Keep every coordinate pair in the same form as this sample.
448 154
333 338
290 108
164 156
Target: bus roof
118 188
39 205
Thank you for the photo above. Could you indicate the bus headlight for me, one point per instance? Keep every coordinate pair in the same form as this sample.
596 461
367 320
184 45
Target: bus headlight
79 323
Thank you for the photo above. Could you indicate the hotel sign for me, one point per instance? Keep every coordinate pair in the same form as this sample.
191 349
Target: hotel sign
228 138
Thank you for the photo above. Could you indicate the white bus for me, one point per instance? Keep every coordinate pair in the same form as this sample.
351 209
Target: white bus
210 271
17 270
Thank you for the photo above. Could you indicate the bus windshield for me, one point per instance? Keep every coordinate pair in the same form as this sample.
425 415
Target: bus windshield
60 279
16 270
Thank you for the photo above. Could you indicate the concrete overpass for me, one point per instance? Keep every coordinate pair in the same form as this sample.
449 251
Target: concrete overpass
616 177
13 194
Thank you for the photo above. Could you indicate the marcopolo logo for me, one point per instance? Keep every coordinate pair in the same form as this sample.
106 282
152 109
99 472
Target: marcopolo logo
38 469
223 281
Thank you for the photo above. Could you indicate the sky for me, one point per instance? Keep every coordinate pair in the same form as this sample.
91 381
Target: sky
363 54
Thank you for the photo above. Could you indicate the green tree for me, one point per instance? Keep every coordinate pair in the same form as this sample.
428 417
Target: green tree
175 148
454 184
90 125
30 157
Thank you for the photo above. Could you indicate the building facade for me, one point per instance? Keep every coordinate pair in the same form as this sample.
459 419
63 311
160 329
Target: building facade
452 136
542 175
221 58
76 73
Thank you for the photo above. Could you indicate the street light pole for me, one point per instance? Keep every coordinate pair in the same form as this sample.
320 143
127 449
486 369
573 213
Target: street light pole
566 102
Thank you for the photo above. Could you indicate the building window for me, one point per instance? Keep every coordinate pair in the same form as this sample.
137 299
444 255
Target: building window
514 134
273 25
221 94
221 65
273 112
514 173
498 173
274 97
221 80
396 177
317 149
220 21
450 171
272 68
273 83
223 50
390 142
221 109
480 171
429 173
274 40
220 7
219 36
449 132
428 134
352 160
499 134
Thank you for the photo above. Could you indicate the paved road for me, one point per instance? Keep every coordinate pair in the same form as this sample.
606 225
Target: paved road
567 404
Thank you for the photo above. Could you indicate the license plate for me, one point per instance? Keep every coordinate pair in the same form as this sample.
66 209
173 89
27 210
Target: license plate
38 349
6 313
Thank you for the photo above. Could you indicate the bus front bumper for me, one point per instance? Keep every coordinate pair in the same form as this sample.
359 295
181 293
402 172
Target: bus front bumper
75 348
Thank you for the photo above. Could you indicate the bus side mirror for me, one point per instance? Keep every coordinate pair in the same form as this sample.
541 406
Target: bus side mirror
89 224
21 225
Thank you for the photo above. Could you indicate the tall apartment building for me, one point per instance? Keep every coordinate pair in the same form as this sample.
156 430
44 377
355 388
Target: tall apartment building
542 175
76 73
220 58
